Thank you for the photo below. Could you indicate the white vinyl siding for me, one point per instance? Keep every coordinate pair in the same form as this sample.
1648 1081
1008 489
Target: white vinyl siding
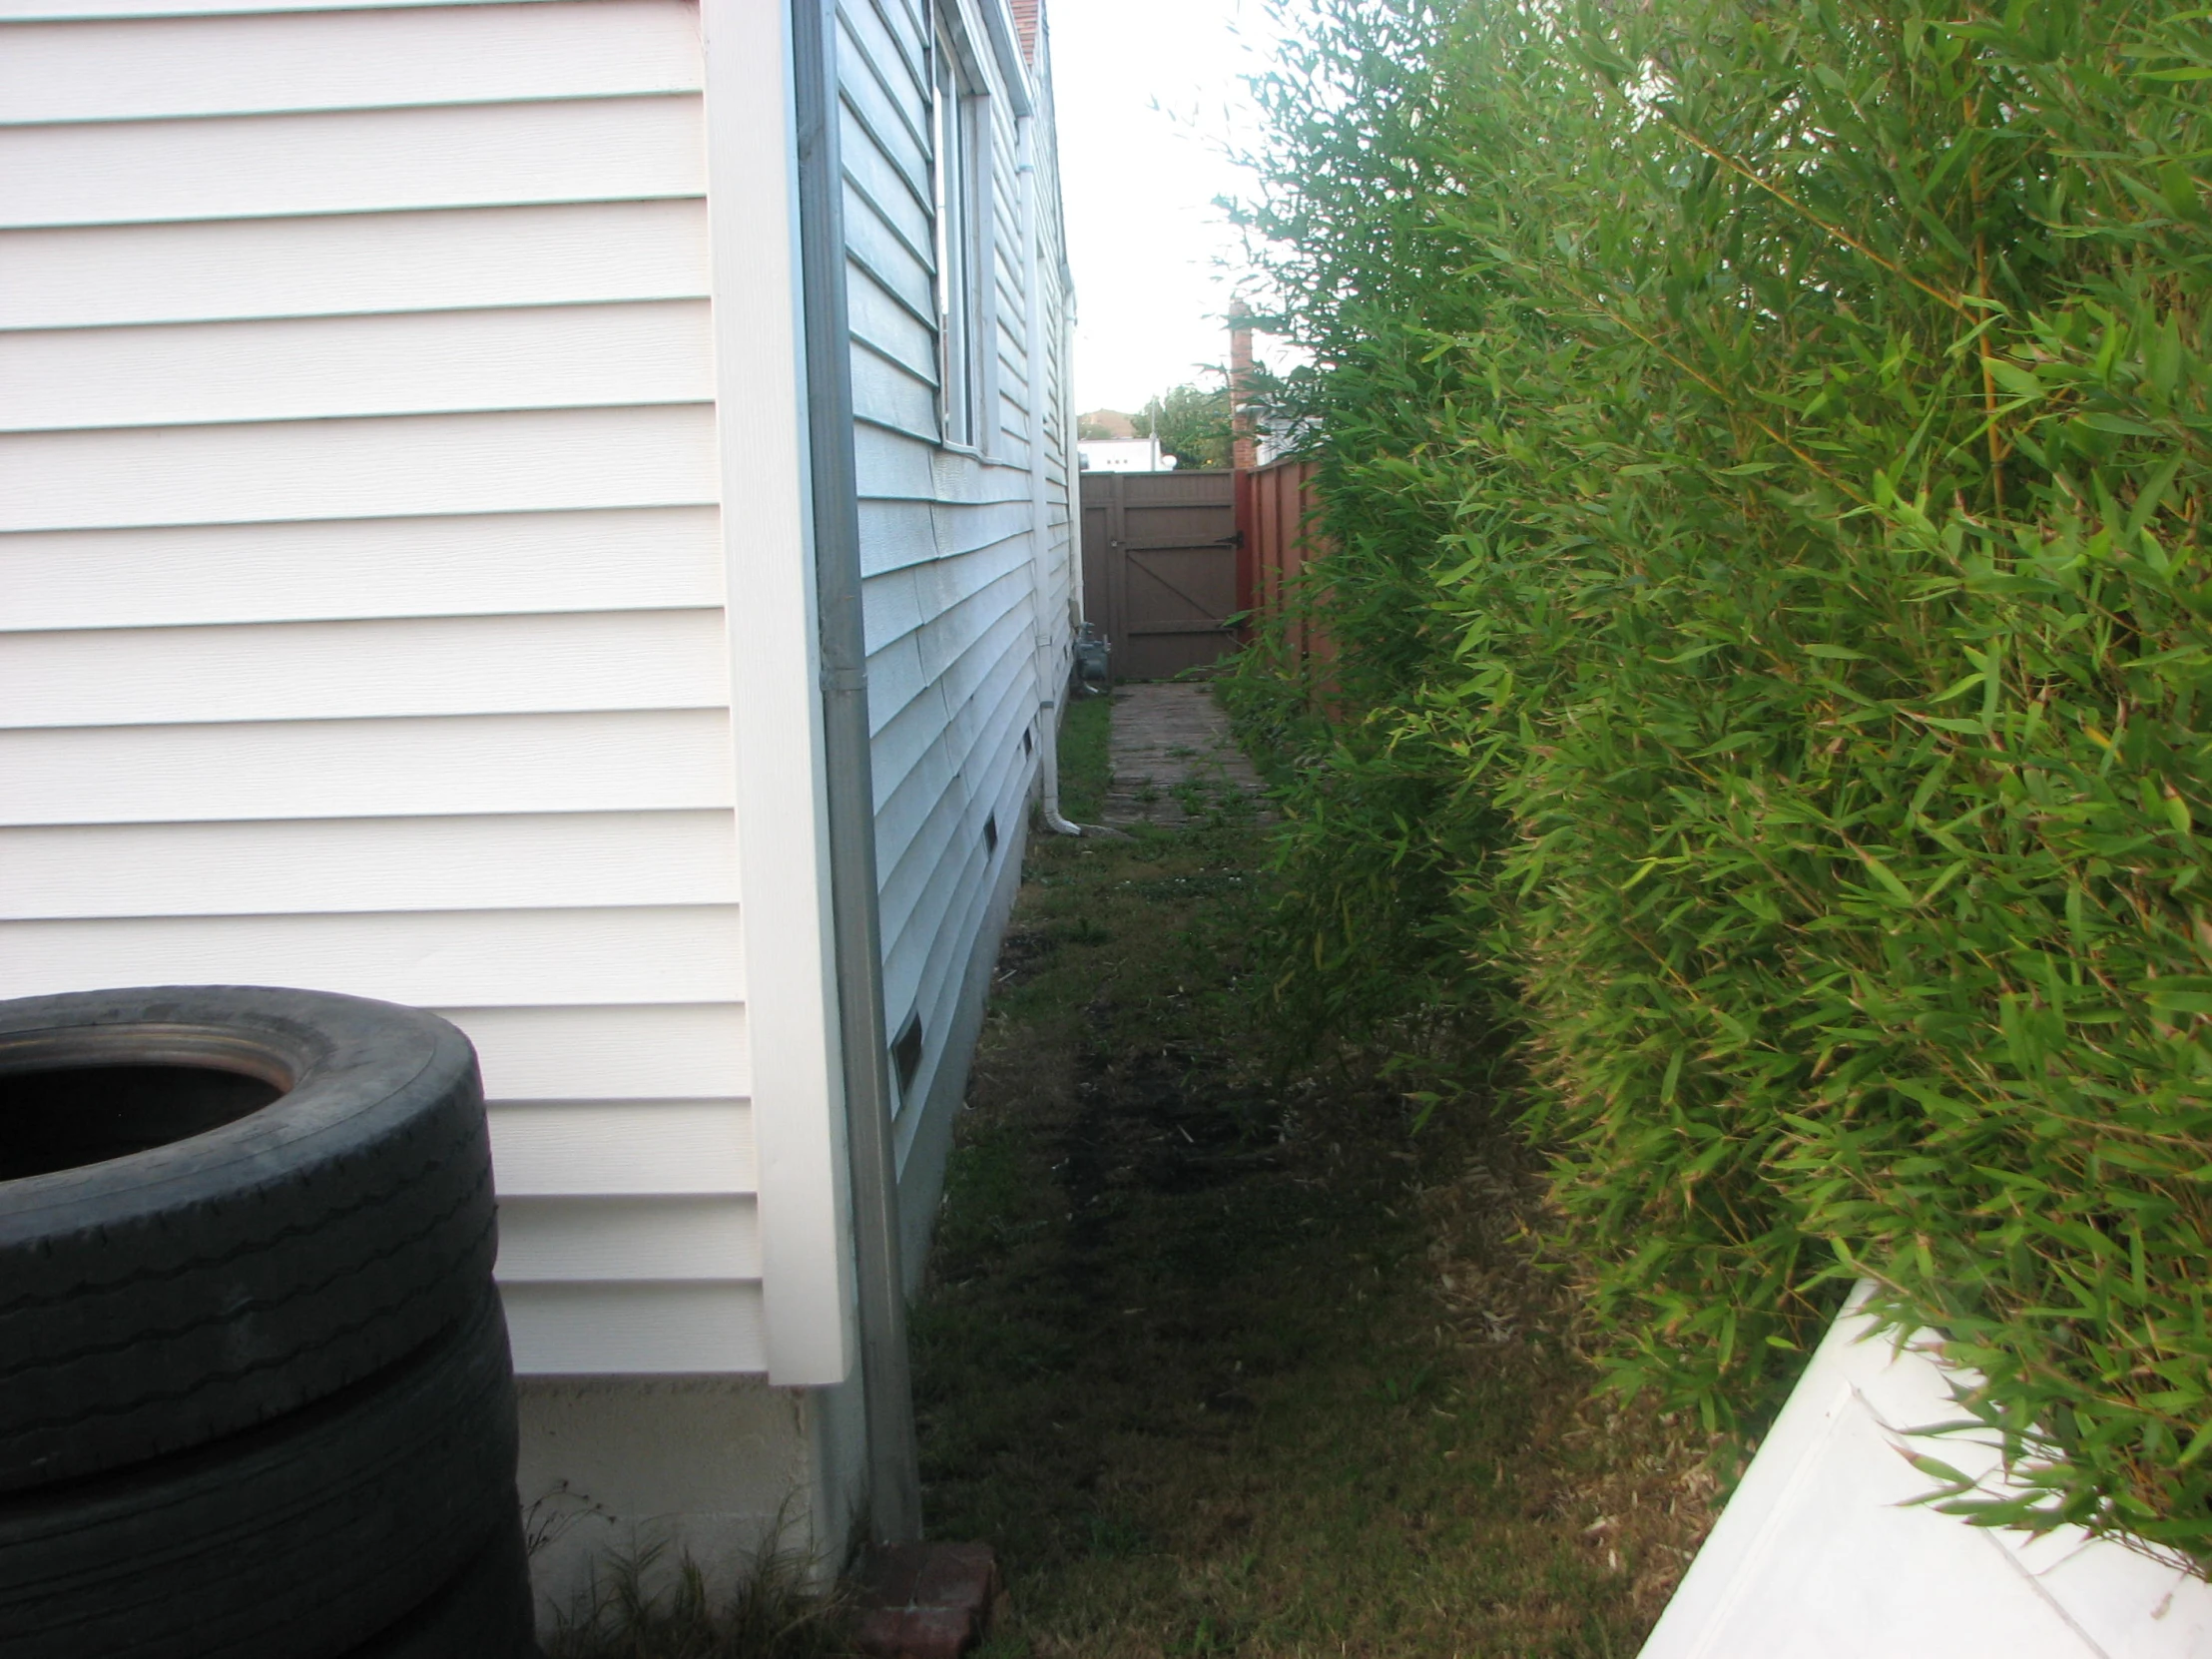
372 376
652 559
1050 410
658 761
311 368
350 160
362 585
259 472
283 62
381 263
277 867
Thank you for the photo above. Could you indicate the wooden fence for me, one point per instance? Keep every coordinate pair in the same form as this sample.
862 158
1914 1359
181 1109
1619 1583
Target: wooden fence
1160 568
1170 558
1275 504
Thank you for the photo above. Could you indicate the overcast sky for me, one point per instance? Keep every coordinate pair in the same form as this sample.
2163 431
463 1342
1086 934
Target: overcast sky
1147 89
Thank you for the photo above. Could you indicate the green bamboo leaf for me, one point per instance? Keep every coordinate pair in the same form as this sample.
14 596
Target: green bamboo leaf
1883 873
1605 781
2119 423
2016 378
2178 998
2199 1444
2179 189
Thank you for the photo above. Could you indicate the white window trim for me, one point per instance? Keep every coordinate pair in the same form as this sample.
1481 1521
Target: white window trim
964 281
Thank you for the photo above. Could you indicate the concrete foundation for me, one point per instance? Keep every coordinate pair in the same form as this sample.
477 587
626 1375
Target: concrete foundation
717 1468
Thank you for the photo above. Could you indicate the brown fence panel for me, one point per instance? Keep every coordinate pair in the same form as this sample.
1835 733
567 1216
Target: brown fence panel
1160 564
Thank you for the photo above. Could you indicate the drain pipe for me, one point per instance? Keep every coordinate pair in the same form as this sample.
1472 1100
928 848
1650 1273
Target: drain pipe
895 1482
1052 674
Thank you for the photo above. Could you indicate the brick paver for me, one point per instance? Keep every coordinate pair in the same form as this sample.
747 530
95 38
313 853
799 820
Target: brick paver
928 1601
1171 742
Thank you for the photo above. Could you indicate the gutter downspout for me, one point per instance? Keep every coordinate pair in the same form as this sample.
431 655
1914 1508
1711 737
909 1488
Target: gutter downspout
895 1481
1052 673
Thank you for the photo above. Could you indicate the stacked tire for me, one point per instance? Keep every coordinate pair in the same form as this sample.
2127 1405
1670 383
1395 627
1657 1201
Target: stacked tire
255 1400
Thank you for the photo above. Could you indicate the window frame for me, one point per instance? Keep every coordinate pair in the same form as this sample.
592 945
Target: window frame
959 174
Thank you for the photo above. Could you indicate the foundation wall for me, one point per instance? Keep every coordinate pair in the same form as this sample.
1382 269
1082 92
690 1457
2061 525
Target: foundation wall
723 1471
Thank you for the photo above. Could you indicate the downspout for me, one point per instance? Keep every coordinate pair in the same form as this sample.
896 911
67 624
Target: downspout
1052 674
895 1481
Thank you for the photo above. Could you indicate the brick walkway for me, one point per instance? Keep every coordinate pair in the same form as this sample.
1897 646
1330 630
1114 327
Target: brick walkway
1171 745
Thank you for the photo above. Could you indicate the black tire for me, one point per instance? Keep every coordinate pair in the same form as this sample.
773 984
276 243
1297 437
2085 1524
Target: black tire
179 1290
484 1613
299 1540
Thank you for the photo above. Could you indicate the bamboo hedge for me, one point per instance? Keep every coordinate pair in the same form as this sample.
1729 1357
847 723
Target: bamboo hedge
1767 448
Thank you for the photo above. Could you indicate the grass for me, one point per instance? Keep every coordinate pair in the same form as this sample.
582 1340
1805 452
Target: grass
1229 1361
1085 766
1225 1361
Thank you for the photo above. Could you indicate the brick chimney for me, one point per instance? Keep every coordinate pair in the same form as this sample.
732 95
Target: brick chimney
1025 26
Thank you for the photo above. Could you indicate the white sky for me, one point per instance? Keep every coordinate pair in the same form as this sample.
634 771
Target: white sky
1138 182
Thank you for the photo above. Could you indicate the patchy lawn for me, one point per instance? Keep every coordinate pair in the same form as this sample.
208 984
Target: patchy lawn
1227 1361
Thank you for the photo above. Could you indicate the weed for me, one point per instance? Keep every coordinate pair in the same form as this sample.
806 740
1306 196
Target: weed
549 1518
638 1610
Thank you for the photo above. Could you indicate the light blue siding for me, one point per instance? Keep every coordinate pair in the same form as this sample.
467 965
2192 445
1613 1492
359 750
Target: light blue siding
964 578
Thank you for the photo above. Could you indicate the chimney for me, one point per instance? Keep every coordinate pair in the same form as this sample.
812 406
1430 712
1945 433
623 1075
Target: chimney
1244 452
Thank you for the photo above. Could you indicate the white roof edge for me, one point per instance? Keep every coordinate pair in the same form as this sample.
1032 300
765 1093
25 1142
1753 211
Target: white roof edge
998 22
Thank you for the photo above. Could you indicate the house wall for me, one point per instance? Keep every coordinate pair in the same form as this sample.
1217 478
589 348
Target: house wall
964 565
1060 564
373 381
363 583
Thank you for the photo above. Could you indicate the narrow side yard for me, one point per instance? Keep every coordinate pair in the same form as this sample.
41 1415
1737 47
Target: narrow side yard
1228 1362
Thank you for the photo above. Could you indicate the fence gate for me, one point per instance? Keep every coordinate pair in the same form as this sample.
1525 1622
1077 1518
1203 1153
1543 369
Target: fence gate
1160 568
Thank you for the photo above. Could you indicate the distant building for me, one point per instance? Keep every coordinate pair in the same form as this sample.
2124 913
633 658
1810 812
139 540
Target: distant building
1105 423
1122 456
1275 437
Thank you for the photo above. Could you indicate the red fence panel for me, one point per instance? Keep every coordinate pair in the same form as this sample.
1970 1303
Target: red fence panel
1275 508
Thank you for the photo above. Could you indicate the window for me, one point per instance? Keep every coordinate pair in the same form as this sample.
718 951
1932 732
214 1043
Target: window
957 119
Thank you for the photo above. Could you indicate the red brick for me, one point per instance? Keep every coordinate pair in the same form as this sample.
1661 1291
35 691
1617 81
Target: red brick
956 1575
927 1601
879 1631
